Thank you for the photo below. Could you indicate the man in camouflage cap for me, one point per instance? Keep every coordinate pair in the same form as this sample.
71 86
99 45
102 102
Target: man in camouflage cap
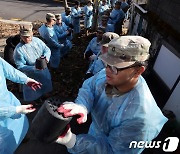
119 100
26 30
97 64
126 51
25 55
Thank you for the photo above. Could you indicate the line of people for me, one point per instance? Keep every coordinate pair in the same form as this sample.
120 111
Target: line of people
115 12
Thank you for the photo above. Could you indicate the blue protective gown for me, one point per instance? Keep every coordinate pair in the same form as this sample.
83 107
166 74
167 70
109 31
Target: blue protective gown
49 35
66 18
76 19
96 66
25 56
88 11
116 16
108 28
117 119
94 46
61 32
13 127
101 10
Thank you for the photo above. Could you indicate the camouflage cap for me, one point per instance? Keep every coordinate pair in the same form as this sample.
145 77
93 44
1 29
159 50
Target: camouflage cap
58 16
50 16
26 30
126 50
107 37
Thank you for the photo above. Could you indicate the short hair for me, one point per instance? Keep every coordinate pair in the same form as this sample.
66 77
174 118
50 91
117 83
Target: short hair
141 63
48 20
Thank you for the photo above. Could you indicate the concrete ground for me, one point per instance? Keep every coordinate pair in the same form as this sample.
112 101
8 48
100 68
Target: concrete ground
28 10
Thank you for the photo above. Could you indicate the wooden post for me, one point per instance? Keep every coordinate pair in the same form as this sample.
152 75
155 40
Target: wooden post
94 24
65 4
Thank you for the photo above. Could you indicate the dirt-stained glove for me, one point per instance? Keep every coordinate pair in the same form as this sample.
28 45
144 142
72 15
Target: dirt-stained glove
70 109
67 138
33 84
24 109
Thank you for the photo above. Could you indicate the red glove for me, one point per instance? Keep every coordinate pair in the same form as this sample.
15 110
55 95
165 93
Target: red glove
70 109
33 84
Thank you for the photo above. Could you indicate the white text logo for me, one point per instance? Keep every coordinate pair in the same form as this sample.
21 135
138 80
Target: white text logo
170 144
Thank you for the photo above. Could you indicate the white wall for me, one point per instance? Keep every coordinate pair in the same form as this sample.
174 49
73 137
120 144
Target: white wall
167 66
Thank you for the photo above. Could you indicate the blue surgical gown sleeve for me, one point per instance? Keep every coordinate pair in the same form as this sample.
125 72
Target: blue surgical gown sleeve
75 13
51 41
117 142
60 34
13 74
114 17
21 62
90 45
7 112
86 94
45 49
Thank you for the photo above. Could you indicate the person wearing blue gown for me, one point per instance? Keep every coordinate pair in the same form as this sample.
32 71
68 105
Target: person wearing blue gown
13 122
125 7
88 11
76 14
63 33
103 6
104 23
48 33
25 54
94 45
66 17
119 100
98 64
117 17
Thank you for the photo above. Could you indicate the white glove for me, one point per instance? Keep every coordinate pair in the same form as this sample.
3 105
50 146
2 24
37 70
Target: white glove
91 58
68 138
33 84
70 109
24 109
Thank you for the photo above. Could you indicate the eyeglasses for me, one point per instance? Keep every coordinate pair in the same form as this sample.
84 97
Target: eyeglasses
114 69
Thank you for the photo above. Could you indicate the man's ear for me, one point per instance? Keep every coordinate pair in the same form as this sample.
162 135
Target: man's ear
139 71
